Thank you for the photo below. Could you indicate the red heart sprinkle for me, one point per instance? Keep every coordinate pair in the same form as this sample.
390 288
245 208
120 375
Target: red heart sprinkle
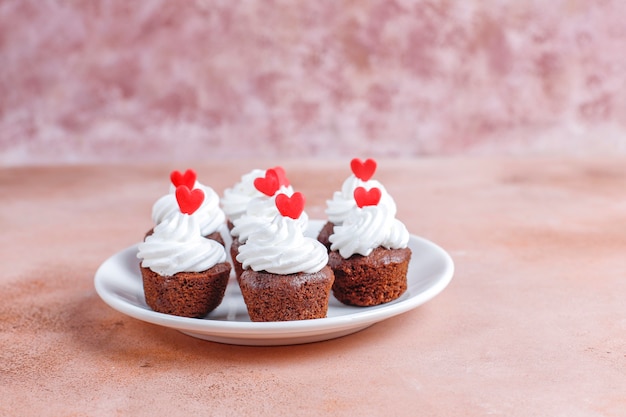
365 197
282 176
269 184
188 178
290 206
189 200
363 170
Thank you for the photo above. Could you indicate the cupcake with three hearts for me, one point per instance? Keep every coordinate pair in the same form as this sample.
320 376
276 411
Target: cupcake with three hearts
261 211
209 215
342 203
236 198
369 252
285 274
184 274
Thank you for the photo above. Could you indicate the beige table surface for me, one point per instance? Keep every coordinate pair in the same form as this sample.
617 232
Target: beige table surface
532 324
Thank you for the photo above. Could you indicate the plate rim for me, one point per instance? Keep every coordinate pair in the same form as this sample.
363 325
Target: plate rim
248 330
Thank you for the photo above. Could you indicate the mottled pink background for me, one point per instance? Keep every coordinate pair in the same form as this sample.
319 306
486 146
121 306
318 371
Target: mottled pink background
89 81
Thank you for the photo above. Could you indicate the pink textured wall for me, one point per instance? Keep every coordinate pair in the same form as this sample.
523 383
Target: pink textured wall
85 81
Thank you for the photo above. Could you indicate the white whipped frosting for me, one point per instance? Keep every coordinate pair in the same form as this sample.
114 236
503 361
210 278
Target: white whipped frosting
236 199
368 228
280 247
210 216
261 211
340 207
176 245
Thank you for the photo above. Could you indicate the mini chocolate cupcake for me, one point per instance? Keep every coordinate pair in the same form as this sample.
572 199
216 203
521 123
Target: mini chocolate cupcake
369 253
285 274
184 274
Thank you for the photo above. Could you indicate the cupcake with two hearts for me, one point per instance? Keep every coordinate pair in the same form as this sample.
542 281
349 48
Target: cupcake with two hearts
369 252
261 210
285 274
342 203
183 273
210 216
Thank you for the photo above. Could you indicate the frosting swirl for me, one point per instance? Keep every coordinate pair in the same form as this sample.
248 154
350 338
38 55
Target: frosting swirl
280 247
340 207
210 216
236 198
261 211
368 228
176 245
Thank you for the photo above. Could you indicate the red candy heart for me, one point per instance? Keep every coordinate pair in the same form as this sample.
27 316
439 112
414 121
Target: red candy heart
363 170
269 184
188 178
282 176
365 197
290 206
189 200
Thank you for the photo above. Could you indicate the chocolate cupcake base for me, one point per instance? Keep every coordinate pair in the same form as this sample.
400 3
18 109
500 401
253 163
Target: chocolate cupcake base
272 297
186 294
370 280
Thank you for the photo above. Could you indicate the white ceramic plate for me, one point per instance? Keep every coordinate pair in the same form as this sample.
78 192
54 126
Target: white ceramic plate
118 282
